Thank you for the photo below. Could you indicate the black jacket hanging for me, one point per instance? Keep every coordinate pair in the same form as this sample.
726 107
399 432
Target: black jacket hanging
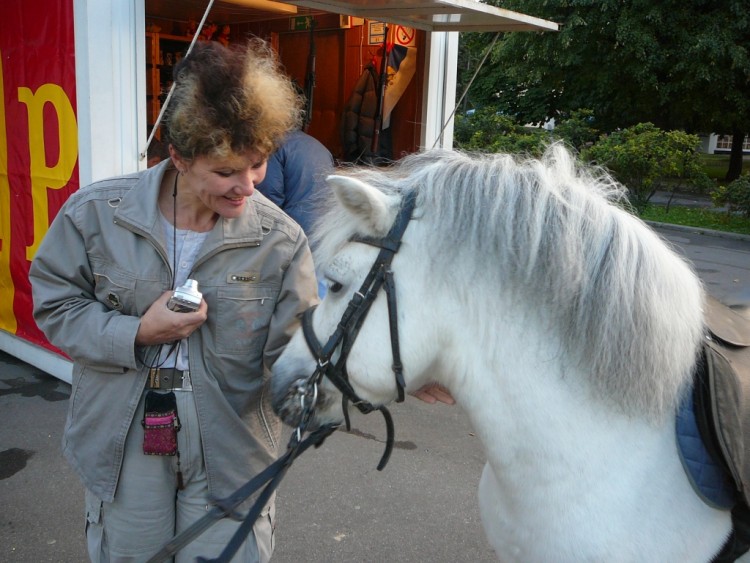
357 125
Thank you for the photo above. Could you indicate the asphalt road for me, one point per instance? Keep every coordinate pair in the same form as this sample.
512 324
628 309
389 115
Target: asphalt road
333 505
722 262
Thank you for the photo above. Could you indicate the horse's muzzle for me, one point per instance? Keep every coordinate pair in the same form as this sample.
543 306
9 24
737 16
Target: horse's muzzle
290 401
287 400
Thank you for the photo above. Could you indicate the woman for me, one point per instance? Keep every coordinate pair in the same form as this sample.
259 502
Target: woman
168 408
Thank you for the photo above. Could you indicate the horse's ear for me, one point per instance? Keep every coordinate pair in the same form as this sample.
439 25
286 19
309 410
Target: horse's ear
375 209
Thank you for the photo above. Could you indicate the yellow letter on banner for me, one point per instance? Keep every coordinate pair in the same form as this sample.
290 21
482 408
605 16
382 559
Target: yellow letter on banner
7 289
42 176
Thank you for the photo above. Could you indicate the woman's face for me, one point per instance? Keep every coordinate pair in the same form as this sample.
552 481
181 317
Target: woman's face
223 184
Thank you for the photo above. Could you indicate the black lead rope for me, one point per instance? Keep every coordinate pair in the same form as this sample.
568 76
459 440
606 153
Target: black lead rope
227 506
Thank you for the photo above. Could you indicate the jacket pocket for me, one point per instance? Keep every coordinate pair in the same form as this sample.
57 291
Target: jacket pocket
244 317
114 287
123 291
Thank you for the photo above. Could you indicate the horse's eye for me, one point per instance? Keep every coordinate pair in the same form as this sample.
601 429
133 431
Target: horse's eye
335 287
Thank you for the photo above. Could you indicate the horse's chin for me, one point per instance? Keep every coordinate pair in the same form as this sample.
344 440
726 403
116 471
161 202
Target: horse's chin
288 405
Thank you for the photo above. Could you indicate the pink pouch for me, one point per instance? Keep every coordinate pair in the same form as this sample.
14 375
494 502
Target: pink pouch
160 433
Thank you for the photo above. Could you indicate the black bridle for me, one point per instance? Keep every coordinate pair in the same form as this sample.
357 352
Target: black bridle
346 332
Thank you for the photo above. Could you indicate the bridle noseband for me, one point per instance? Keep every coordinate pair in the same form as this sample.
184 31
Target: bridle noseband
343 338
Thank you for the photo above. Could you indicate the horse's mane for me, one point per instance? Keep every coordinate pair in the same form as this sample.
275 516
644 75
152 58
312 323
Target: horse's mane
624 305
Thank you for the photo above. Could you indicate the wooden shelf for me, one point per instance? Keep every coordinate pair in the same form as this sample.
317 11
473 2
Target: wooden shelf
169 37
160 46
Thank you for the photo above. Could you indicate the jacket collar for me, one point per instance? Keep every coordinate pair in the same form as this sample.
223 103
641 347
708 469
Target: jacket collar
139 211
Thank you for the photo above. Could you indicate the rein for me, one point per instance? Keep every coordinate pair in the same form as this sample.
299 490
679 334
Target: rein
226 506
380 276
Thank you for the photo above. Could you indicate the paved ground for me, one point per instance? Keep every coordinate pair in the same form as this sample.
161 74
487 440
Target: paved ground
685 200
333 504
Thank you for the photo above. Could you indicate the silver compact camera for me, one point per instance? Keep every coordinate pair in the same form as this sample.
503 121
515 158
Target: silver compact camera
185 298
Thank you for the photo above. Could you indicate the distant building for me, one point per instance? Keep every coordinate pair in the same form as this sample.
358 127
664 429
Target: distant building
720 144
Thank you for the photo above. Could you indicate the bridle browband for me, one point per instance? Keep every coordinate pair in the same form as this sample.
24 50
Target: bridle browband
346 332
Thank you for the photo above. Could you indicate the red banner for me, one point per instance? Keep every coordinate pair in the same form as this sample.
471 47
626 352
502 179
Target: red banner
38 143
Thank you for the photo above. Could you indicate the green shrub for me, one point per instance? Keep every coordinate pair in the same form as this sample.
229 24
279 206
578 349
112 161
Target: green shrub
735 195
703 183
646 159
487 131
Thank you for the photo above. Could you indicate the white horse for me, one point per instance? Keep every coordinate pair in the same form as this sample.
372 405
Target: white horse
562 324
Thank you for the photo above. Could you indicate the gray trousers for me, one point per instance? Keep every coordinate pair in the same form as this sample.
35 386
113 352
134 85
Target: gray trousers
148 510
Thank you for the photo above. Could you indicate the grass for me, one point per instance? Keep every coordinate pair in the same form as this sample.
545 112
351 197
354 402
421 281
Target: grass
697 217
716 165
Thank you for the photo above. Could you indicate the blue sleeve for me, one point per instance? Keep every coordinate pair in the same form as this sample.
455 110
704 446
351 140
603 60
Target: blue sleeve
305 184
272 185
295 178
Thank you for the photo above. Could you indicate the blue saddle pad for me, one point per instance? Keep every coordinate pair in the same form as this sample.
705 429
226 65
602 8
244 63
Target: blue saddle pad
709 479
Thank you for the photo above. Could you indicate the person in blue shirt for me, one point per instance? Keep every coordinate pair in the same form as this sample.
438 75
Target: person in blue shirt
296 177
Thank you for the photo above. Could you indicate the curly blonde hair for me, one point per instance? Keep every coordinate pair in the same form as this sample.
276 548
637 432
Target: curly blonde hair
229 100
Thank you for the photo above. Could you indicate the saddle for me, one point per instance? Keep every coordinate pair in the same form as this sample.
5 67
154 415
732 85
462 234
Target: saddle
721 401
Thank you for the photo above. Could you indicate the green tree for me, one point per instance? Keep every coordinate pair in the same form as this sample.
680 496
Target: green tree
578 130
678 64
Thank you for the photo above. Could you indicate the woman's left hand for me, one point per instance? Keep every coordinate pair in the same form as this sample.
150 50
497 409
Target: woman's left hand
434 392
160 325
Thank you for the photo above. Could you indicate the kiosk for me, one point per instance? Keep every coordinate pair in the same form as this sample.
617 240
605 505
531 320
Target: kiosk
83 83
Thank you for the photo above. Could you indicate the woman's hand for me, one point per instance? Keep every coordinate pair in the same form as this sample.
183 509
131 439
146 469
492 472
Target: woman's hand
434 392
160 324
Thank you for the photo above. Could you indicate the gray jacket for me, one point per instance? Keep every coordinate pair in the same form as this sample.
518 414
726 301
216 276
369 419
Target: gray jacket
104 262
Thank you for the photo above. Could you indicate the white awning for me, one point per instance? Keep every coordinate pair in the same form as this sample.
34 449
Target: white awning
433 15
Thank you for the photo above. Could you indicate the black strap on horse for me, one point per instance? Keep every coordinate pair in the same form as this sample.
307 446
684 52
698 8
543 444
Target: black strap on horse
227 506
737 543
343 338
